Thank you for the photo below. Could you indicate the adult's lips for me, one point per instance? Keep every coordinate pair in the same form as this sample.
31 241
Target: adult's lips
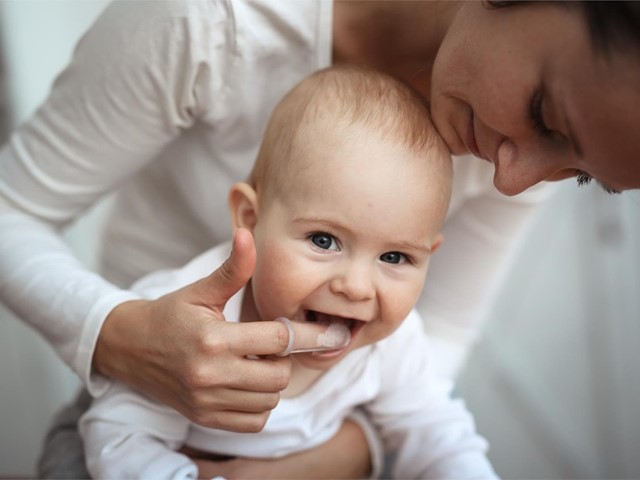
470 138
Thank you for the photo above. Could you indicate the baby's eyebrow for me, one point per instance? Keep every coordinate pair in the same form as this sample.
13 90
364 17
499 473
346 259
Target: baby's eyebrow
415 246
328 223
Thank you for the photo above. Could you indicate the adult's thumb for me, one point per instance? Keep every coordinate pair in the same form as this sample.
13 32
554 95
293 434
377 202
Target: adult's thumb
236 270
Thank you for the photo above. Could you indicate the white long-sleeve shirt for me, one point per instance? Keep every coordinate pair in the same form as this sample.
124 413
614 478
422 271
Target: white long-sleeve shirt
165 102
127 435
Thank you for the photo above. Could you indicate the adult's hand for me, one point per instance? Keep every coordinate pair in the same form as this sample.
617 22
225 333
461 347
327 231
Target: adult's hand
346 455
179 350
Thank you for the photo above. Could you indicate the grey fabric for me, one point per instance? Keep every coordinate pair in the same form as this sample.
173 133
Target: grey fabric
5 101
62 455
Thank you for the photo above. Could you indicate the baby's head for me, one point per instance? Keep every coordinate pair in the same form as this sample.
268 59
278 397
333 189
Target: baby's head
346 201
329 109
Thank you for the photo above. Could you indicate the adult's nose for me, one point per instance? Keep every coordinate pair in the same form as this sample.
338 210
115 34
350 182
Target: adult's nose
354 280
518 168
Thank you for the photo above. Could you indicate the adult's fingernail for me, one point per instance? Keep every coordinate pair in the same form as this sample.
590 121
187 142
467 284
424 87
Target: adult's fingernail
292 336
314 337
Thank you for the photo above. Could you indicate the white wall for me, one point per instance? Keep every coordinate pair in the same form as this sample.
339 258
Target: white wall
553 382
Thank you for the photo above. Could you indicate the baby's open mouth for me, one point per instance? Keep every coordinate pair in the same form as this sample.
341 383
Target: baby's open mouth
332 335
325 319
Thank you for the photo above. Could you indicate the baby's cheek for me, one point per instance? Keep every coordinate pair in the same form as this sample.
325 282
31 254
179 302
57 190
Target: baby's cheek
278 275
398 306
272 264
379 330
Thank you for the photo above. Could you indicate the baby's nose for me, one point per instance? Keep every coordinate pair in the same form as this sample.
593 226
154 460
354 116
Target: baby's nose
355 282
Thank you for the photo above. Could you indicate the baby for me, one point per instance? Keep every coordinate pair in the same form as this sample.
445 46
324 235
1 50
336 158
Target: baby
345 204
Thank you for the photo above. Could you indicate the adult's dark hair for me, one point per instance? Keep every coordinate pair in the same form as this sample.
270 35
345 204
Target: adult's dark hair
613 25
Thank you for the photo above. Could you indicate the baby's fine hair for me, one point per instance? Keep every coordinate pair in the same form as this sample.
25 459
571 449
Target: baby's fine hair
346 96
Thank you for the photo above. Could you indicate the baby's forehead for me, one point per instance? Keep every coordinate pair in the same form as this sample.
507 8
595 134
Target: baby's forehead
353 154
322 142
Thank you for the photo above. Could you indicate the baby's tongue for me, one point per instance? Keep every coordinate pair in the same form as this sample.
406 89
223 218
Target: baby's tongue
325 319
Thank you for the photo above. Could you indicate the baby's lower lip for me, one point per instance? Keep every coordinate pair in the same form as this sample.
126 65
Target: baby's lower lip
329 354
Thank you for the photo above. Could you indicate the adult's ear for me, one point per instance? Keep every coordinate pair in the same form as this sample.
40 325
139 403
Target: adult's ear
243 203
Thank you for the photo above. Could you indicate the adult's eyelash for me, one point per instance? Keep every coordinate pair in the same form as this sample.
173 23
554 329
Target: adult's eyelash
535 114
583 178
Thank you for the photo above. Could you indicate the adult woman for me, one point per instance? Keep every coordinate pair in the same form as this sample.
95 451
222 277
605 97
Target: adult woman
172 98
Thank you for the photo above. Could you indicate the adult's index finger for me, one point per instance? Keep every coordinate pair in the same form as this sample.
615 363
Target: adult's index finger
273 338
313 337
258 338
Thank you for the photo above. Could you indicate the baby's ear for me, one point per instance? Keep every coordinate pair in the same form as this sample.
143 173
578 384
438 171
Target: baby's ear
436 243
243 203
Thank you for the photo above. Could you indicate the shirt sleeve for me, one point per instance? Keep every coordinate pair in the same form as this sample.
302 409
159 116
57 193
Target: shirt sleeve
126 435
481 236
138 78
430 434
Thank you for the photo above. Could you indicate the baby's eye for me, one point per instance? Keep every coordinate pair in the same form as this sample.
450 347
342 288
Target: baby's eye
324 241
393 257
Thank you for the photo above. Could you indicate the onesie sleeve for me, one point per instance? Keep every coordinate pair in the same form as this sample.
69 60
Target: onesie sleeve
430 434
142 74
126 435
481 236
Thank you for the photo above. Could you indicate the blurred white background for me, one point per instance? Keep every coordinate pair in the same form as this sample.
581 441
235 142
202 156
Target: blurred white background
553 382
36 41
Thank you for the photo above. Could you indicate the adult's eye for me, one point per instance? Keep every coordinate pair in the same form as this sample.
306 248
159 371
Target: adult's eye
324 241
393 257
536 115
